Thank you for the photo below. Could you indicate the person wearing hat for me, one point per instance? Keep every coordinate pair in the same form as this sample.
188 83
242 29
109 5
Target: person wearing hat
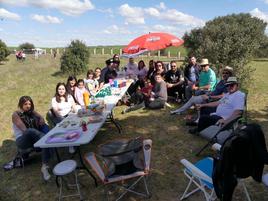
108 72
230 106
207 79
214 95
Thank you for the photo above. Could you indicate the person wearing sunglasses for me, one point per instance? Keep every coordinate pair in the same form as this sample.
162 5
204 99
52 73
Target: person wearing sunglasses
207 79
214 95
174 81
230 106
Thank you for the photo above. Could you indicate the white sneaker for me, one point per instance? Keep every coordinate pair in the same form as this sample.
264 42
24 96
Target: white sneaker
44 170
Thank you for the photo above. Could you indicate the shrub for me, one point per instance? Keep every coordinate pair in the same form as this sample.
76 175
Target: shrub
4 52
230 40
75 58
26 46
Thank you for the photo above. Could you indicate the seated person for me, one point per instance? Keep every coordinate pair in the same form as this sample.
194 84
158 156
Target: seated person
158 96
116 60
80 89
151 70
209 96
174 81
107 73
70 85
191 76
159 69
207 79
98 76
140 96
62 104
230 106
91 83
29 126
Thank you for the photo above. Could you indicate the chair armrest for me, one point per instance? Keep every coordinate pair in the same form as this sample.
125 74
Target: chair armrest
216 147
147 148
92 161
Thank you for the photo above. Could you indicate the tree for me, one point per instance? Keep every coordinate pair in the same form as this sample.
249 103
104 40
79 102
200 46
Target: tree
26 46
230 40
4 52
75 58
262 52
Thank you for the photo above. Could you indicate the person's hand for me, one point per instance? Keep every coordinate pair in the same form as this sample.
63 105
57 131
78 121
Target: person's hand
194 87
220 123
198 106
169 85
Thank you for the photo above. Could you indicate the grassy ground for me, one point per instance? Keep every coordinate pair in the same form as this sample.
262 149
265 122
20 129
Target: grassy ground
171 142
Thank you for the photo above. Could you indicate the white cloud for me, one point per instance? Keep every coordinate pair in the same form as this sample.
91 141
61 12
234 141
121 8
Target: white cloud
114 29
259 14
162 6
46 19
265 1
136 15
133 15
5 14
68 7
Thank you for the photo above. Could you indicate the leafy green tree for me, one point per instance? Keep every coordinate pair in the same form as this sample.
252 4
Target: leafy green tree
262 52
4 52
75 58
26 46
229 40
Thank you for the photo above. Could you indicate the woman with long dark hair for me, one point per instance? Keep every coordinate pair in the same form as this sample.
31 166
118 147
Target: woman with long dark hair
29 126
70 85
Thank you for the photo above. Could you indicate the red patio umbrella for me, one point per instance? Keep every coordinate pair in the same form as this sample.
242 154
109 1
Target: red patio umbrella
151 42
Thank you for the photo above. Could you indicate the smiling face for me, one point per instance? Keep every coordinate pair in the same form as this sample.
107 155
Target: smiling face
72 83
97 72
61 90
233 87
81 85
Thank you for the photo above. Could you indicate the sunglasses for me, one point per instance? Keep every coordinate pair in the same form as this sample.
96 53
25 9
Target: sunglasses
225 73
173 66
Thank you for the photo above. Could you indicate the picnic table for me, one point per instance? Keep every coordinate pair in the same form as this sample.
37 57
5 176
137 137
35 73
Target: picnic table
72 124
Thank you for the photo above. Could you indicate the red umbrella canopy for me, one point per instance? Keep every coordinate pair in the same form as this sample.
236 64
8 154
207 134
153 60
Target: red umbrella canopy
152 41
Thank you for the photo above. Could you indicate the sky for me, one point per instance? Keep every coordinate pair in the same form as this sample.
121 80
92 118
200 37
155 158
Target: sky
54 23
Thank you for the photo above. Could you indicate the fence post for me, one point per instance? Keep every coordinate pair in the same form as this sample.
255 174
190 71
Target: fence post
120 50
179 55
168 54
51 52
149 54
102 51
112 51
158 53
58 51
94 51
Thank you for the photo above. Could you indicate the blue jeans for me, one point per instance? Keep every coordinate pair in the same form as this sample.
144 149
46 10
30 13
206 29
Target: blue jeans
31 136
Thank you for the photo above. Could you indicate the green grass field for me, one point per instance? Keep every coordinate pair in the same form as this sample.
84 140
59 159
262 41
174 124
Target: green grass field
171 142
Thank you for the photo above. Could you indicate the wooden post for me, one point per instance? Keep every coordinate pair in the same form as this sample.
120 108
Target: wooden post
51 51
120 50
168 54
149 54
179 55
112 51
58 51
102 51
94 51
158 53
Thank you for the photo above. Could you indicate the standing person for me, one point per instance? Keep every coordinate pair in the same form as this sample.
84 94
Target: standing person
80 89
191 76
158 96
62 104
91 83
174 81
70 85
207 79
107 73
116 60
131 68
29 126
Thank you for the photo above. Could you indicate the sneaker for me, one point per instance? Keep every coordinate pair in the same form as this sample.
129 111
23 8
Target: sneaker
44 170
193 131
175 112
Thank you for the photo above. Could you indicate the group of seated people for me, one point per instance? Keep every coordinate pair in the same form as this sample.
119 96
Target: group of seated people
151 89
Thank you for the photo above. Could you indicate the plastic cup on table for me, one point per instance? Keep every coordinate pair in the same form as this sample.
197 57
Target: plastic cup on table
115 83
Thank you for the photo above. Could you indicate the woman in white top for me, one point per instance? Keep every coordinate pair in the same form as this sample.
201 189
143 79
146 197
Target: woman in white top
62 104
29 126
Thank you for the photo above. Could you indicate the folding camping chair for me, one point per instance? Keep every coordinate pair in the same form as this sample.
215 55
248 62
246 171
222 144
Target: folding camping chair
218 134
136 154
200 174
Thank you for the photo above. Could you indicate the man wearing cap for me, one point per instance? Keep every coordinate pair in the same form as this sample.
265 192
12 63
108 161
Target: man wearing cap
229 107
207 79
214 95
108 72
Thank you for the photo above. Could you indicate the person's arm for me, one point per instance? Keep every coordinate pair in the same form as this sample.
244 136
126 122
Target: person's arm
55 107
211 104
18 122
235 114
41 119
